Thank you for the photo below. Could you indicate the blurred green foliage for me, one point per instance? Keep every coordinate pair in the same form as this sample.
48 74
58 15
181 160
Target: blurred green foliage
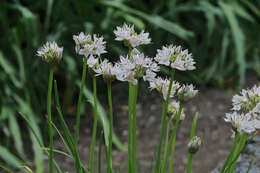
223 35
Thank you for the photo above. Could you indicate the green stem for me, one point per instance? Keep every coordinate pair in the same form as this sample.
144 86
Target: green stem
83 78
134 128
130 98
190 156
49 118
239 149
192 134
229 158
172 142
167 137
109 92
164 112
93 141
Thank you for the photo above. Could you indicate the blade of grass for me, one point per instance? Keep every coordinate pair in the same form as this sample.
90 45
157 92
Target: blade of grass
16 133
238 38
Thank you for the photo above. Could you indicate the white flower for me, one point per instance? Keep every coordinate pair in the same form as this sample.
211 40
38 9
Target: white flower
149 75
81 40
135 67
142 38
240 122
50 52
162 85
124 32
186 92
128 34
173 109
247 99
92 62
175 57
86 46
107 70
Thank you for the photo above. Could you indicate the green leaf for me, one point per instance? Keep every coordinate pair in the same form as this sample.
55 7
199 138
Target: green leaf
38 154
10 158
154 19
238 38
102 119
16 133
10 70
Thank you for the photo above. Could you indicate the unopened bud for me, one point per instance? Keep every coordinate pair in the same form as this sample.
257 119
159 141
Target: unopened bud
194 144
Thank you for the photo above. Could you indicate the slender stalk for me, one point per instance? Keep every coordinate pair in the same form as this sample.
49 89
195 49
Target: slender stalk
172 142
130 98
134 128
229 158
239 149
109 93
192 134
167 137
100 152
190 156
83 78
164 112
49 118
93 141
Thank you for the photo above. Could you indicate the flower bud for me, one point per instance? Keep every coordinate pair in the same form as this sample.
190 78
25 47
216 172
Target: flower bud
50 53
194 144
173 109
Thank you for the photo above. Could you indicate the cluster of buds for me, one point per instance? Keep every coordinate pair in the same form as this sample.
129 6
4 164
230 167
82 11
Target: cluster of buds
246 111
173 109
50 53
127 34
194 144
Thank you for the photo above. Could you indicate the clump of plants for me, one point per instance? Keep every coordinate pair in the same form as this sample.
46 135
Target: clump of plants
134 68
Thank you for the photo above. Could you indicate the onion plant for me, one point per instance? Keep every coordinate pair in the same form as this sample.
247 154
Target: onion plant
133 68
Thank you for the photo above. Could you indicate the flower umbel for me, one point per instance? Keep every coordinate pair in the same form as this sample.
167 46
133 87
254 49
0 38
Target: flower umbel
87 45
50 53
175 57
127 34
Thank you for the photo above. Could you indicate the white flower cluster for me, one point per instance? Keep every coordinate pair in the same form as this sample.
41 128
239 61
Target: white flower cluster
173 109
88 46
246 107
50 53
162 85
107 70
135 67
175 57
127 34
182 92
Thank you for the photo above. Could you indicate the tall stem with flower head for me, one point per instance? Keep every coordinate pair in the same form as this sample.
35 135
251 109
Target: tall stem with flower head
93 141
83 78
51 53
49 118
165 107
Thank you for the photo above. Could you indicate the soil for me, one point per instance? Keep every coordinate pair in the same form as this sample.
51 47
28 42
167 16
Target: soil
212 104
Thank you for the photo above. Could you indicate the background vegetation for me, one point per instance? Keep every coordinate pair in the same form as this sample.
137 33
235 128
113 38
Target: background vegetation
224 37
